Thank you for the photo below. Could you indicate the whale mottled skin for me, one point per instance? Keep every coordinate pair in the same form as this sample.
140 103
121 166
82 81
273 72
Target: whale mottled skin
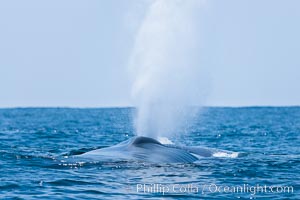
147 149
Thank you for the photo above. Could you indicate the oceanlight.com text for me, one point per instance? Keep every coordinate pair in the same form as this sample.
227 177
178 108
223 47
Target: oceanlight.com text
211 188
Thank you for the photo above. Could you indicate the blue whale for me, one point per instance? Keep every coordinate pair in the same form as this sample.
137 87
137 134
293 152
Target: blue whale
147 149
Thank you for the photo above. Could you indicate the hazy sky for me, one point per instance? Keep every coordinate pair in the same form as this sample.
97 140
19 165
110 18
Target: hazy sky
75 53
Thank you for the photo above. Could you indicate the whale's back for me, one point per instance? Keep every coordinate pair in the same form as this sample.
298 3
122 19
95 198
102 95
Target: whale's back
141 149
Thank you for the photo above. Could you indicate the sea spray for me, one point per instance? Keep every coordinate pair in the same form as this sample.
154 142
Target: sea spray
168 79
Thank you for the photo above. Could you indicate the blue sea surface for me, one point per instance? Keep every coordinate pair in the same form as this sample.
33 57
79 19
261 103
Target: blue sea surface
35 144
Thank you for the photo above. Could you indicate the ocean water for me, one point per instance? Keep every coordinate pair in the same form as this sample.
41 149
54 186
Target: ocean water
35 144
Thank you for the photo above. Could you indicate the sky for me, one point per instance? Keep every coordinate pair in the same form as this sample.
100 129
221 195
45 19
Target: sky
75 53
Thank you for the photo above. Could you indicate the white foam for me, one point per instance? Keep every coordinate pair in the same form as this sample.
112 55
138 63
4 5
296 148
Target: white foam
225 154
164 140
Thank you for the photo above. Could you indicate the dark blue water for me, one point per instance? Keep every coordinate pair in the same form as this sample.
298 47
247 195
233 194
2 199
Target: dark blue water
36 144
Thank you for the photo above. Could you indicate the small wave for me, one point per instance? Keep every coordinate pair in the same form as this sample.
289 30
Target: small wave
69 182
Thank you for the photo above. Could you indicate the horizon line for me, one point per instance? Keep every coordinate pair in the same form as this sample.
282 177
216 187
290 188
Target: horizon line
112 107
